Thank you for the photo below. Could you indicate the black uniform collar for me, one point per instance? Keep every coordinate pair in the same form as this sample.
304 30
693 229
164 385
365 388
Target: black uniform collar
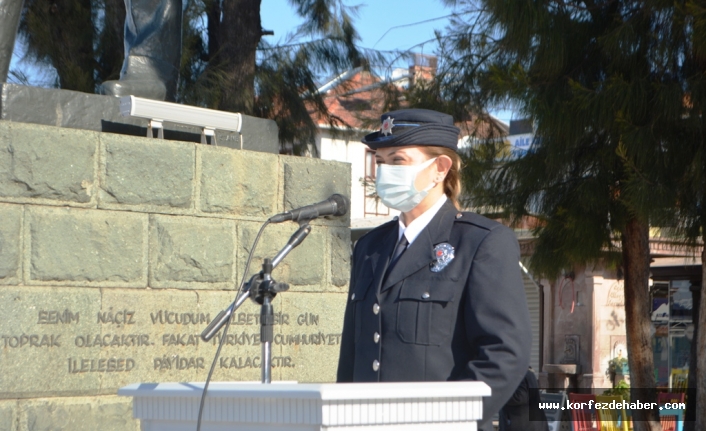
421 252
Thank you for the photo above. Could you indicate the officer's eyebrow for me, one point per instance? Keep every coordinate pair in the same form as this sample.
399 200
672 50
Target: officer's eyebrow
378 156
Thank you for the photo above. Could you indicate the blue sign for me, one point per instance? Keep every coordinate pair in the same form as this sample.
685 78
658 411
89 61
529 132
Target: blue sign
520 144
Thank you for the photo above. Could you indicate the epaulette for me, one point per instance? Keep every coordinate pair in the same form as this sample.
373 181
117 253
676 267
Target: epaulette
383 226
476 220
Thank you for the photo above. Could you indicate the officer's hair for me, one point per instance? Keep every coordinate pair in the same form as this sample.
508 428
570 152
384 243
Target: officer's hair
452 182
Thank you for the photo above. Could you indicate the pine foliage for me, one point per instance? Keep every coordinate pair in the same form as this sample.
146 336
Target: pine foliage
614 90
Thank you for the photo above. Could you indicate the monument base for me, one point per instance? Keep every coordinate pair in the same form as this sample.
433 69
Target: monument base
76 110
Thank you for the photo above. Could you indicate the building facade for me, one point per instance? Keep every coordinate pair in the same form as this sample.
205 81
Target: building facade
583 311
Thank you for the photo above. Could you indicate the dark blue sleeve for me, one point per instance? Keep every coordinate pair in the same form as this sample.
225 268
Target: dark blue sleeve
497 318
521 396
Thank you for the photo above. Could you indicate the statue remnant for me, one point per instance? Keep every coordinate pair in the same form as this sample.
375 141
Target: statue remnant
152 47
152 50
10 11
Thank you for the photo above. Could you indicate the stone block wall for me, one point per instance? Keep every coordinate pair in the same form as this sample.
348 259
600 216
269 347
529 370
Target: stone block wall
116 252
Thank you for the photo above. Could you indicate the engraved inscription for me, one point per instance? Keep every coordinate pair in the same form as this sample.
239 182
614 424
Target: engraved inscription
180 340
254 319
308 319
109 340
183 336
177 362
123 317
319 339
174 318
241 339
282 361
616 295
254 362
54 317
32 340
112 365
237 362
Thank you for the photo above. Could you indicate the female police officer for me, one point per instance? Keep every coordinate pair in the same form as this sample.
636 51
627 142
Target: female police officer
436 295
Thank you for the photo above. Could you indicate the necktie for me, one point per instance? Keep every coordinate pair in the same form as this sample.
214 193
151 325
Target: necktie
399 249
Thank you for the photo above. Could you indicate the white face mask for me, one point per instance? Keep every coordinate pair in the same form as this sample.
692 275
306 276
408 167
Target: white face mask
395 185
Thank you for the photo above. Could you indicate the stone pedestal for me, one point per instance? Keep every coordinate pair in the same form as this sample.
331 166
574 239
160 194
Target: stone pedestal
588 381
417 406
76 110
117 251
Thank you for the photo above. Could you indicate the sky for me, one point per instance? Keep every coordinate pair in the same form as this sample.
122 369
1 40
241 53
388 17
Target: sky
382 24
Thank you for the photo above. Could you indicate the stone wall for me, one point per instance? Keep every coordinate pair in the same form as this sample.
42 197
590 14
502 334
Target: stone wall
116 252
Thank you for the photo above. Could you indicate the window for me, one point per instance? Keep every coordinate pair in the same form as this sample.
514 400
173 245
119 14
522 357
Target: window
370 165
373 206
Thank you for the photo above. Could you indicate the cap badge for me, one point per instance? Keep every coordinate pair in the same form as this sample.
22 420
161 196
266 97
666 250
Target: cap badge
443 255
386 128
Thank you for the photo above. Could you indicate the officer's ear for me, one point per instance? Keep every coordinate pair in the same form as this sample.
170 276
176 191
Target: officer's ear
443 165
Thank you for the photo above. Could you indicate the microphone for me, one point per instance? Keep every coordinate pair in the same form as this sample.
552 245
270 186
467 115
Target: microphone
336 205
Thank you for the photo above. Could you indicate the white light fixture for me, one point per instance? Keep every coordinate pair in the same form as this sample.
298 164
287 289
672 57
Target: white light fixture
157 112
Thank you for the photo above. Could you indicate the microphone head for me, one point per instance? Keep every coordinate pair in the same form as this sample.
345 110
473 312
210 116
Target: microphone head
341 202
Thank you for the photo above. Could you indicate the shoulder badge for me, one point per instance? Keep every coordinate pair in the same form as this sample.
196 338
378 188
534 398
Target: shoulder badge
443 255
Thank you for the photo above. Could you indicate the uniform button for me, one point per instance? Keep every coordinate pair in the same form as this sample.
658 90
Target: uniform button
376 308
376 365
376 337
353 296
459 215
426 295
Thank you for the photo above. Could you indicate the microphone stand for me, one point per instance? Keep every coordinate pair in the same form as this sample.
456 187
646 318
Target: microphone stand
262 288
263 294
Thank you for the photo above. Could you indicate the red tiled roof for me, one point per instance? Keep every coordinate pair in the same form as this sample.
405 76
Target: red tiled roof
358 102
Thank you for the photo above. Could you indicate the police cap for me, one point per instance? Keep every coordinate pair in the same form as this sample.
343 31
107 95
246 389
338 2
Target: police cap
414 127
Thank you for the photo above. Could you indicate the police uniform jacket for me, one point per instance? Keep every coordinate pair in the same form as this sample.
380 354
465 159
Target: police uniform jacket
468 321
522 412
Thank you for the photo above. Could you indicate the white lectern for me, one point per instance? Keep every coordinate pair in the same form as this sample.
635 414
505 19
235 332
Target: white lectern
424 406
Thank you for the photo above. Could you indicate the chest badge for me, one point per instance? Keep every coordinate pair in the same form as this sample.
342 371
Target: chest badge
443 255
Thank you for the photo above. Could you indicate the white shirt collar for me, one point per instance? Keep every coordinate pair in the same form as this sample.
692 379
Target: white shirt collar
418 224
